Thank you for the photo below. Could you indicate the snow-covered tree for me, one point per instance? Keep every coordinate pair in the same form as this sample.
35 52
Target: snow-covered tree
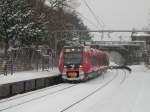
61 15
18 22
33 21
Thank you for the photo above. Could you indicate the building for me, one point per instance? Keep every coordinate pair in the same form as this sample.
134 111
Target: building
146 38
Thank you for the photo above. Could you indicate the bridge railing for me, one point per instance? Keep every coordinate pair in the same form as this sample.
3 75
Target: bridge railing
118 43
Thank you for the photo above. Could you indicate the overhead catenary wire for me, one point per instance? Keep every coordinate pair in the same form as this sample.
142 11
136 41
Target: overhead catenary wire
88 20
96 18
82 16
94 15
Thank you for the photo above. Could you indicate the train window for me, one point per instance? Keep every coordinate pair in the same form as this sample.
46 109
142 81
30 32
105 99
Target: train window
73 58
94 60
99 60
103 61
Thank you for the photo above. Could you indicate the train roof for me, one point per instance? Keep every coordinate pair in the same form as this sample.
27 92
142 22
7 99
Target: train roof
87 48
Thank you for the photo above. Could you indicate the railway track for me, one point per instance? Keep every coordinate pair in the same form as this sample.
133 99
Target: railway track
27 94
95 91
35 98
57 91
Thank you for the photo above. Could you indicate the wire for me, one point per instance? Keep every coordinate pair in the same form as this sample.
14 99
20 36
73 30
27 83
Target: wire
96 18
92 23
92 12
88 20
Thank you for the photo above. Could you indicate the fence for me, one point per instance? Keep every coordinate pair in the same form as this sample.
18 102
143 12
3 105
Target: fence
24 59
6 67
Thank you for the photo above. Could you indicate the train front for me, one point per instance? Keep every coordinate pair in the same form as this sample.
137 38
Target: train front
70 64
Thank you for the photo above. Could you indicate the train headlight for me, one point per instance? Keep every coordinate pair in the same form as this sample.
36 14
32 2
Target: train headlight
67 50
80 66
65 69
65 66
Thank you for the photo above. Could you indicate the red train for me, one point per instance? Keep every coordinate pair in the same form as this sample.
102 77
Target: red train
81 63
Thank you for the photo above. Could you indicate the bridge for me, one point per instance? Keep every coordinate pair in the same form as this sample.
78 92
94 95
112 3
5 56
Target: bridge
130 51
118 43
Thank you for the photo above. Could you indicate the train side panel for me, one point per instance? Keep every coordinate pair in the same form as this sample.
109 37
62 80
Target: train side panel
86 61
92 62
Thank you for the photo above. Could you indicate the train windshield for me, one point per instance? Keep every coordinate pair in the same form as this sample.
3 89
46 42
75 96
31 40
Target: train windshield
74 57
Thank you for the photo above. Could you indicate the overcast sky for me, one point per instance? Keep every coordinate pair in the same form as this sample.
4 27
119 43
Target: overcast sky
116 14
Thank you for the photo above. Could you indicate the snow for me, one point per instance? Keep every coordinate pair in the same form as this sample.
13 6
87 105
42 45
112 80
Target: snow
141 34
112 63
47 3
119 91
20 76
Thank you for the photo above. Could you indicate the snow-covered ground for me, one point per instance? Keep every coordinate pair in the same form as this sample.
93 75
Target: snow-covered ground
115 91
20 76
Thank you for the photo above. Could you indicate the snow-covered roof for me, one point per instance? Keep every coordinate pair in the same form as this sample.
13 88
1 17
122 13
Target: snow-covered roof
141 34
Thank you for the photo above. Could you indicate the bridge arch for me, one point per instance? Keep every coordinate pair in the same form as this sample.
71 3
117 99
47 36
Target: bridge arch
116 57
123 53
